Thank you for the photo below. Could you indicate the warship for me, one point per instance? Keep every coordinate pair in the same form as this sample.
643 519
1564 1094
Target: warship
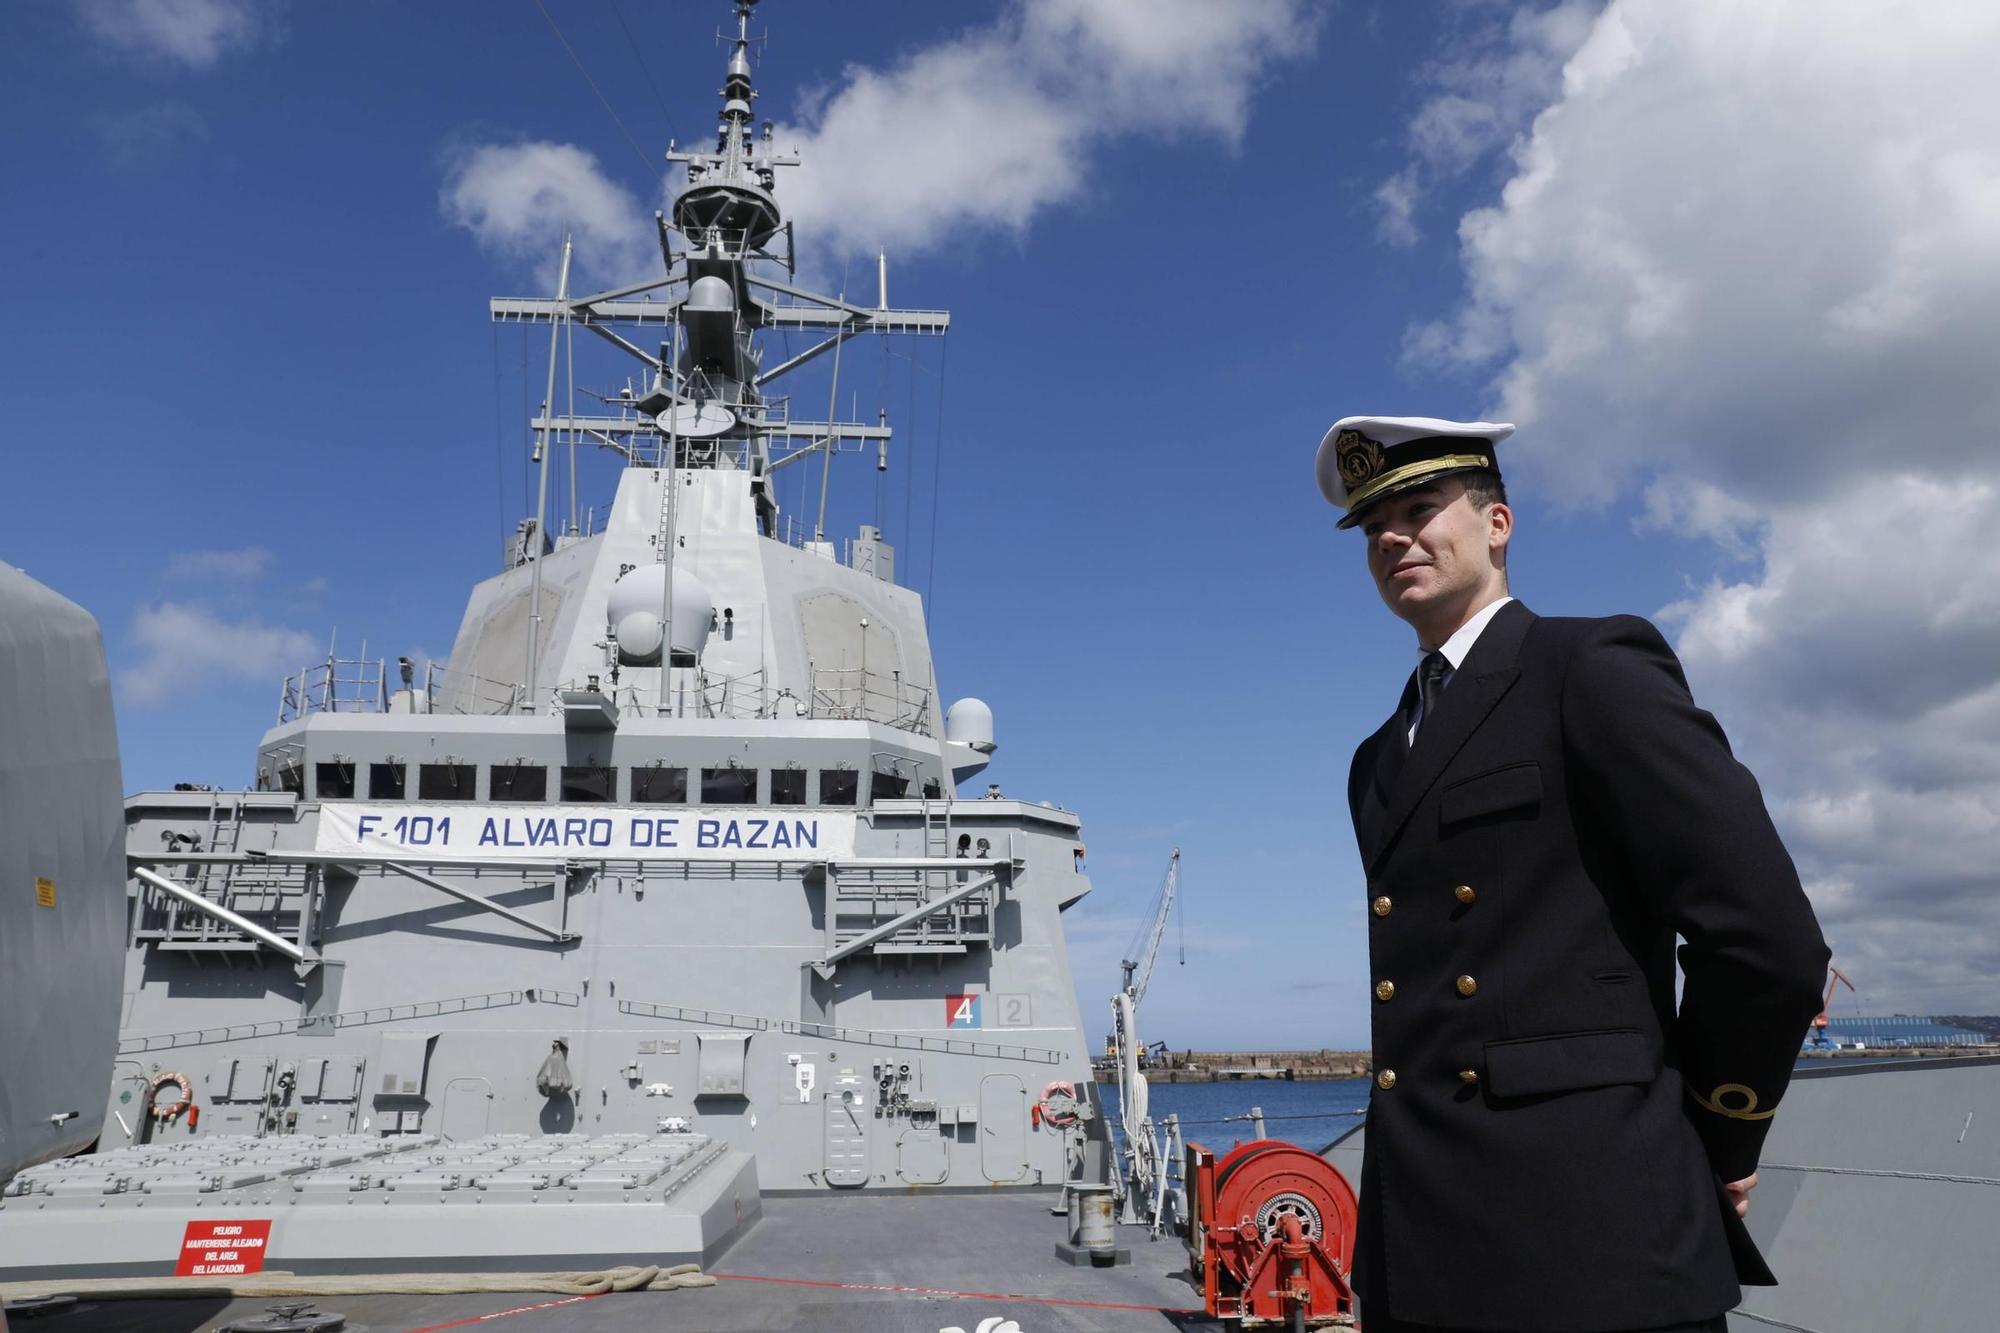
651 927
660 890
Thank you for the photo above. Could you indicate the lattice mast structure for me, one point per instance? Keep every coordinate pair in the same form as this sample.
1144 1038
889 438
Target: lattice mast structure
708 399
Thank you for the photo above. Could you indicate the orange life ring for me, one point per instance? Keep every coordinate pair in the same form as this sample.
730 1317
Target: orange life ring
1058 1117
179 1080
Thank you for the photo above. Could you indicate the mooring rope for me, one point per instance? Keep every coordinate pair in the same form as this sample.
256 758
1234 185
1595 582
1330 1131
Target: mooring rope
642 1277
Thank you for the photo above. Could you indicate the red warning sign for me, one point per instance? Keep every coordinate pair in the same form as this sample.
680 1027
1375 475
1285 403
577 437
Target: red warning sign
224 1248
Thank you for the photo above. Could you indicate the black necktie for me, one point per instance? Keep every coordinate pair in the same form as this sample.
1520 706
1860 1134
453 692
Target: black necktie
1430 683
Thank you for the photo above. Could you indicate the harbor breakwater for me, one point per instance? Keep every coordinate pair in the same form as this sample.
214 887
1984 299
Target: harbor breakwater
1231 1066
1303 1066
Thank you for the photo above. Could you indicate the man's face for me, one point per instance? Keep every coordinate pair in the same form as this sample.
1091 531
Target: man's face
1434 556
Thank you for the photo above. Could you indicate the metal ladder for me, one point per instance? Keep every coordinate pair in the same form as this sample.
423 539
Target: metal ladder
275 895
864 898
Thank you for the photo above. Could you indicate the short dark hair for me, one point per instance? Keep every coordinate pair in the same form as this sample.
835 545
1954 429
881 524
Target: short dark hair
1484 488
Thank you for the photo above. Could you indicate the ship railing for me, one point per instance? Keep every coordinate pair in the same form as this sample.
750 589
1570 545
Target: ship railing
447 691
360 685
800 535
858 694
337 685
838 694
725 453
749 695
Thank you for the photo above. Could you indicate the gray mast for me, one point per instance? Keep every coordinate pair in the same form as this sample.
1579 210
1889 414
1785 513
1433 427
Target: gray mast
542 492
710 393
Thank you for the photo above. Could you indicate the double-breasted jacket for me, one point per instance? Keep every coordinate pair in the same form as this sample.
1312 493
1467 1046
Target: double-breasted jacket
1550 1128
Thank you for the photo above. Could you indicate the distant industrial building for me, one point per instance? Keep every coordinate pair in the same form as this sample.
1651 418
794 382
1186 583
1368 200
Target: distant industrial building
1897 1030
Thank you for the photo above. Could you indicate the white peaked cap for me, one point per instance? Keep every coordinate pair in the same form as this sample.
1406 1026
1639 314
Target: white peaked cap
1362 459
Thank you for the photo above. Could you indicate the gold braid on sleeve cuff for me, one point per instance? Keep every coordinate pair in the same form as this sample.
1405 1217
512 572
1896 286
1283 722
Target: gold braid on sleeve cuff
1734 1100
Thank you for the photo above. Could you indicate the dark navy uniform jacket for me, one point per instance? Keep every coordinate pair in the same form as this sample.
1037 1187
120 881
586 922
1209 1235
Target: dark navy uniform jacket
1549 1133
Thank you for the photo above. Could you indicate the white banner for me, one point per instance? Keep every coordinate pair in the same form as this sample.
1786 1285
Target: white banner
582 832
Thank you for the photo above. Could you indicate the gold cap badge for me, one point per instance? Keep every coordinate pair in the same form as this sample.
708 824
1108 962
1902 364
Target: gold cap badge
1360 458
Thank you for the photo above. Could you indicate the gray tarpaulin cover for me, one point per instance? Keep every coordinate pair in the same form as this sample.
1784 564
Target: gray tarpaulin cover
62 876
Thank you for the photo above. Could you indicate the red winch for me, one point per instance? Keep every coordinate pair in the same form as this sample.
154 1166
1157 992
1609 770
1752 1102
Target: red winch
1272 1235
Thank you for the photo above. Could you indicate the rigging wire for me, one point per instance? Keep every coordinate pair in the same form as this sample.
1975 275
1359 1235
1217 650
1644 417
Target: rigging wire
569 355
881 417
910 468
646 163
937 474
499 433
1138 943
639 55
1180 920
527 414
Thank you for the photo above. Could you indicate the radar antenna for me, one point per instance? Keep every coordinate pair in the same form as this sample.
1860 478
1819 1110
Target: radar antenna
709 399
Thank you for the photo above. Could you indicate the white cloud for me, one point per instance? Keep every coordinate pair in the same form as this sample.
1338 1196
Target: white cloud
987 129
184 647
1695 508
1397 199
1748 265
1481 95
980 131
195 33
519 199
1855 670
247 562
1769 250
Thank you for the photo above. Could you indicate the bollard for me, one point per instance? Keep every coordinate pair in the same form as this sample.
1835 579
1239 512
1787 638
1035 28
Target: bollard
1095 1212
1093 1239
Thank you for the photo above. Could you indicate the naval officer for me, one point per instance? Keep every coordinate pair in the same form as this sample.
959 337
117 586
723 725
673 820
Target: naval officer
1553 1143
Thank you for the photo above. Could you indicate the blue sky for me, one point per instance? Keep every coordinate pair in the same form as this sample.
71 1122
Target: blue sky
255 397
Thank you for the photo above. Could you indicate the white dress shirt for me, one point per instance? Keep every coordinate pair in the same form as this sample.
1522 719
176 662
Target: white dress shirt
1456 649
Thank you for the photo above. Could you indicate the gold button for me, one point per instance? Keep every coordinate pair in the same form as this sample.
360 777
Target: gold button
1385 990
1386 1079
1466 985
1382 906
1464 893
1468 1076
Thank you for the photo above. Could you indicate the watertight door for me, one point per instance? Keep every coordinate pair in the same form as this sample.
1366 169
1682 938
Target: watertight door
468 1109
844 1159
923 1157
1003 1128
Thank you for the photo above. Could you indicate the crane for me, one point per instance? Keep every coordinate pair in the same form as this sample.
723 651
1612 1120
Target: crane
1144 1180
1835 978
1139 975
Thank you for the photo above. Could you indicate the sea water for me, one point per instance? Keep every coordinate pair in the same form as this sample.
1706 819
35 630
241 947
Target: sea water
1311 1114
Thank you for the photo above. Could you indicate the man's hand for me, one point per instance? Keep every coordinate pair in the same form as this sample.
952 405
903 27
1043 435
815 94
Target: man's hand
1739 1193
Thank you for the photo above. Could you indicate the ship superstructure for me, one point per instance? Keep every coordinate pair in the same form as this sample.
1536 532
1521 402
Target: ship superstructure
671 844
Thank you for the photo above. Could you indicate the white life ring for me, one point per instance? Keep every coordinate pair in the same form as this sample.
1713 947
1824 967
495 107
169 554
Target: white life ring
179 1080
1062 1114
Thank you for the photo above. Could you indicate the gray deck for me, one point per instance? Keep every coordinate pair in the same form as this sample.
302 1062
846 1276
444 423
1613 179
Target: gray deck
1877 1205
805 1265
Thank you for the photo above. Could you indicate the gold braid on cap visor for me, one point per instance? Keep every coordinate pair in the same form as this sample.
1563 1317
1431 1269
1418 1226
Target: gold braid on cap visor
1421 468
